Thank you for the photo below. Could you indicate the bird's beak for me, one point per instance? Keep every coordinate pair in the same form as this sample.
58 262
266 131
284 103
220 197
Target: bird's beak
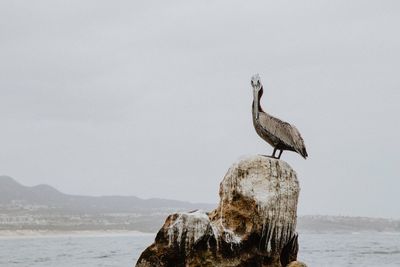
255 95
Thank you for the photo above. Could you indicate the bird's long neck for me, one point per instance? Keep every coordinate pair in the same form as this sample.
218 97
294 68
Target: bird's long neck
256 103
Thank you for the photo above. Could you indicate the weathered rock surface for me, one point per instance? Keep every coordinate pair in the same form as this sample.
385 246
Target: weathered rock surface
254 224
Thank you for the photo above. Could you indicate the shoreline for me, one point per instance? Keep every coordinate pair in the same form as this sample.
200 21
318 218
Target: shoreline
16 234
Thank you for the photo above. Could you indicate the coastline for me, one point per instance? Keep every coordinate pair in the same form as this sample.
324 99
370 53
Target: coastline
17 234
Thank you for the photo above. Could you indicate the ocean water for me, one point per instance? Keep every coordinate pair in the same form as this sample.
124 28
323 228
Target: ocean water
73 251
350 249
316 249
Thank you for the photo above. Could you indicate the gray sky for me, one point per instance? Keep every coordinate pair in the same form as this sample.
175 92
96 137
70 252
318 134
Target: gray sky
153 98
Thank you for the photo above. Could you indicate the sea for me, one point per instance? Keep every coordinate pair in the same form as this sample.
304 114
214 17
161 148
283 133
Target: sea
316 249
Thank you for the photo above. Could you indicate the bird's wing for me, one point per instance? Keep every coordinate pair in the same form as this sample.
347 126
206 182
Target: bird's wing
298 142
287 133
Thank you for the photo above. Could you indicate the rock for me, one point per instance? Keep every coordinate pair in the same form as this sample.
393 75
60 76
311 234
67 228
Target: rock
254 224
296 264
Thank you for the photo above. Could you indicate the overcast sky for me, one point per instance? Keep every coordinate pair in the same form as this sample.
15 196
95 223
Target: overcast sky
153 98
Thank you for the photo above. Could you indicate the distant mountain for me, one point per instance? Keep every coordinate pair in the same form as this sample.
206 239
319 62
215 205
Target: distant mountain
14 194
346 223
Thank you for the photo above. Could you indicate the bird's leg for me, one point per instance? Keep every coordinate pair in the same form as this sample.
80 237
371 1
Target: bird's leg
273 153
280 153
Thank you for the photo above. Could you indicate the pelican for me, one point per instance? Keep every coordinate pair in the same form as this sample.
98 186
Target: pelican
279 134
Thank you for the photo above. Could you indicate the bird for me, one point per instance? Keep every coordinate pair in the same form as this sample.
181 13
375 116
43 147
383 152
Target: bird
279 134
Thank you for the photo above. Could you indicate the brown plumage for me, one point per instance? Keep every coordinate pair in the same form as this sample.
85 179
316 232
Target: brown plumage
279 134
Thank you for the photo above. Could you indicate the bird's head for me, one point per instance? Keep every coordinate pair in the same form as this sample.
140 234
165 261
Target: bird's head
257 93
256 84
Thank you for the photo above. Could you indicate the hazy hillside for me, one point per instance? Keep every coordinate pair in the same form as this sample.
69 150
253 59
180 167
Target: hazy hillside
346 223
13 194
44 208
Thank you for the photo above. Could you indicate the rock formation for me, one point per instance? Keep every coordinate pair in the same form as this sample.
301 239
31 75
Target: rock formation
254 224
